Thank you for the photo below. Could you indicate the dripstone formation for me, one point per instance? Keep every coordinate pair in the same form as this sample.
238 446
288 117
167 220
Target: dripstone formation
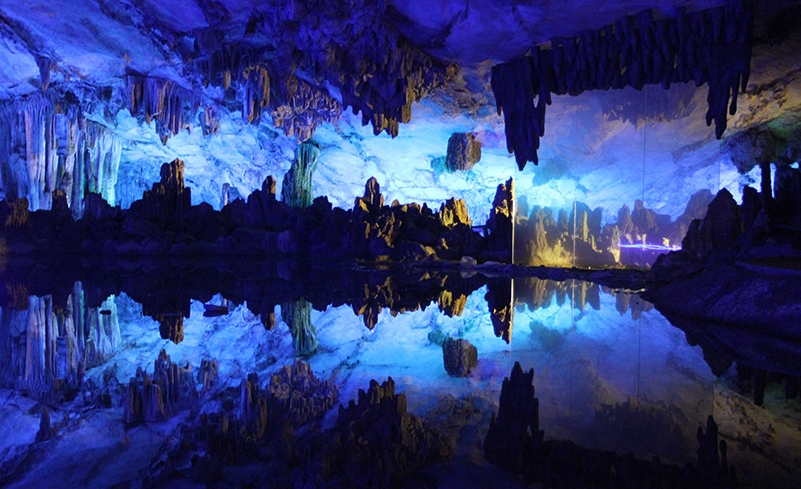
712 46
164 222
275 430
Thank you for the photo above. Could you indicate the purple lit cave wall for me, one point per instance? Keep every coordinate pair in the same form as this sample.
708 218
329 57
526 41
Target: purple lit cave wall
306 243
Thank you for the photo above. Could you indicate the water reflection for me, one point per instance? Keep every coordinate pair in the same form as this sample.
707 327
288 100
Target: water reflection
611 373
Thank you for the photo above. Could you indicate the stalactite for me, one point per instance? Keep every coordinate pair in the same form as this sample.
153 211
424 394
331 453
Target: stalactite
13 168
47 145
305 109
44 71
210 120
160 100
711 46
256 83
103 152
39 152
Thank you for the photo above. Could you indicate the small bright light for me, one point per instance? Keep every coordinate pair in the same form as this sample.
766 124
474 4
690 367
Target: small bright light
650 247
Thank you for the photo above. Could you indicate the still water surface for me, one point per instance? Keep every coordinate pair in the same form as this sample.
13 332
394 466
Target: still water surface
610 371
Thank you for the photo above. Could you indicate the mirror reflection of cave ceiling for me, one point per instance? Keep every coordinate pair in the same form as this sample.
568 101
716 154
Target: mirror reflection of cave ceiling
231 87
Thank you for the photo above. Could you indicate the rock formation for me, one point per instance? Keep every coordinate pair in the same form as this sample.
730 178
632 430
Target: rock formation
48 341
515 442
636 50
45 430
735 255
297 316
459 356
464 151
156 397
167 204
376 442
45 148
499 222
297 189
499 301
514 439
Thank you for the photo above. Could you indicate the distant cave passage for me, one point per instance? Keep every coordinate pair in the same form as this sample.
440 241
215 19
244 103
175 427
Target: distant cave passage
711 46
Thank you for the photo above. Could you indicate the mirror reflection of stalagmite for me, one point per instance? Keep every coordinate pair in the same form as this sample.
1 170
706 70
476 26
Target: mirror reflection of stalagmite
297 316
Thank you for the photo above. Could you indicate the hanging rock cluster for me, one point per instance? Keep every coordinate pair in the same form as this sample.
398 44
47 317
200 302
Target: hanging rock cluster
711 46
375 69
515 443
161 100
303 76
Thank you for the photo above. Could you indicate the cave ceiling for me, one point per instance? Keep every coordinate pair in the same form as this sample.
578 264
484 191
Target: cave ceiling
189 64
374 57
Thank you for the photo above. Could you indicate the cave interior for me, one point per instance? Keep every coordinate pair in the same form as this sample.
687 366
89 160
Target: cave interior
270 243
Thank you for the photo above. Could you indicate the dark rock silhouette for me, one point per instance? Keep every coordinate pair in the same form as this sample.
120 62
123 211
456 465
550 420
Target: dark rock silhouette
514 439
515 443
735 256
376 442
499 222
45 432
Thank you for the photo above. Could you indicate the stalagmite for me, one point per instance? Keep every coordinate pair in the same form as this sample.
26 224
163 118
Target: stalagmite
297 189
156 397
45 431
